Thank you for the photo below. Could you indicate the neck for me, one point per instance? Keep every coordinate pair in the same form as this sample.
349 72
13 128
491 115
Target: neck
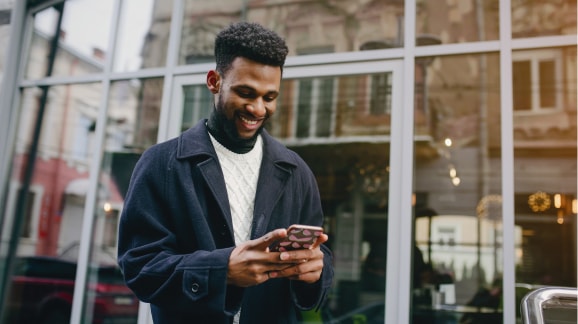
224 132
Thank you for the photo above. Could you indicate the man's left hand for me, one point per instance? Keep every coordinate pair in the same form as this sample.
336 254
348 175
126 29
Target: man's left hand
307 264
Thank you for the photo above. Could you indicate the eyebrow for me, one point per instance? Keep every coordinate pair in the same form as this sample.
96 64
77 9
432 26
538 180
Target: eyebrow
247 87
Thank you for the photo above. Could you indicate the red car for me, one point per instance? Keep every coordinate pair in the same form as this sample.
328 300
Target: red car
42 290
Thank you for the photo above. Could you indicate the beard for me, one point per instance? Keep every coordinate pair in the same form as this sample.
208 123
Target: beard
225 131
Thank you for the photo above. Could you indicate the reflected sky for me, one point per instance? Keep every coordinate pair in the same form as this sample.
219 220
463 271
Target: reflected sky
83 35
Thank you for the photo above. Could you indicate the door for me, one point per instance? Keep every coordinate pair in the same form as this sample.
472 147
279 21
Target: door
337 117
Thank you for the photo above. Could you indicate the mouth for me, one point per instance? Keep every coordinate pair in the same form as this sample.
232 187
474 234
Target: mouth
251 122
247 125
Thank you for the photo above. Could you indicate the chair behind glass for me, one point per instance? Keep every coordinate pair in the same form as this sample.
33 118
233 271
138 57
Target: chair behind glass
550 305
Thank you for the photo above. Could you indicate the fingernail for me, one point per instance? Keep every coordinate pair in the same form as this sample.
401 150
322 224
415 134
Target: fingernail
272 274
284 256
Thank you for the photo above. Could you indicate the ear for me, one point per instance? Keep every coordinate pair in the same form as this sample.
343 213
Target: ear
213 81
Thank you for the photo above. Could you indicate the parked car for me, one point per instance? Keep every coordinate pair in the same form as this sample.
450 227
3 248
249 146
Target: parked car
43 287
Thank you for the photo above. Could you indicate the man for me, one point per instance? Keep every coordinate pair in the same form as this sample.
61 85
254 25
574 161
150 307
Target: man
202 209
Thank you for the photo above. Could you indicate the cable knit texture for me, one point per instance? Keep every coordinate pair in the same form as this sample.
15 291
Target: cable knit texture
241 172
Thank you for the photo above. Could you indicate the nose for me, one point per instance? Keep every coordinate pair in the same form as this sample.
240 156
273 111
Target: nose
257 108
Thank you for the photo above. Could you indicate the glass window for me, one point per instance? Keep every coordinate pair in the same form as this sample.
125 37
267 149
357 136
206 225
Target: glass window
143 36
457 259
132 126
46 206
538 81
543 18
347 107
197 104
82 39
545 177
449 22
5 16
309 27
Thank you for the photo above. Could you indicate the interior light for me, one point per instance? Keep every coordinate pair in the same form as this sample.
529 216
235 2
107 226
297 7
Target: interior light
560 220
456 181
107 207
448 142
557 200
574 206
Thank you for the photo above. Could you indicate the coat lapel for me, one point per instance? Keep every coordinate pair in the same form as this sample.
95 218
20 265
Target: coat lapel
195 144
211 171
276 168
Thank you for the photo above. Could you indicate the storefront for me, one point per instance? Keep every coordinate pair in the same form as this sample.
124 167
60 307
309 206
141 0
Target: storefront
442 135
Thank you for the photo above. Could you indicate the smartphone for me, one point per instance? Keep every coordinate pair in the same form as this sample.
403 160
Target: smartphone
298 237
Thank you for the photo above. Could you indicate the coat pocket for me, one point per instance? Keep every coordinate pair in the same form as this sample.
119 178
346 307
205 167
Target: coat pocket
196 283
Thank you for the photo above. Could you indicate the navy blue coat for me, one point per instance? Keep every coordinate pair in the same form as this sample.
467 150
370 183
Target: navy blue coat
175 234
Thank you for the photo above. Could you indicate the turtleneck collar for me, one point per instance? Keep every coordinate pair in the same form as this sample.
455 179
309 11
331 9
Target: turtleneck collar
225 132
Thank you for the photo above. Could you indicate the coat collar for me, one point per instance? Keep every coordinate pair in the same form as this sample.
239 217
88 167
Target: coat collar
276 168
196 142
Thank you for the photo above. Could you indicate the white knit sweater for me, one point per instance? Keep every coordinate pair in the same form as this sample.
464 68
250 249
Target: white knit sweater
241 173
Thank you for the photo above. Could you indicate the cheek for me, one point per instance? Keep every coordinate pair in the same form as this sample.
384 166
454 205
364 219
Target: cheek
271 108
225 106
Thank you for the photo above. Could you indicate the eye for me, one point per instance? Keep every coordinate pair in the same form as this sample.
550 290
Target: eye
245 92
269 98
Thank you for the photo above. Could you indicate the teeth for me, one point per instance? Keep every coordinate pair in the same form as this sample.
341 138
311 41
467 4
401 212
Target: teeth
250 122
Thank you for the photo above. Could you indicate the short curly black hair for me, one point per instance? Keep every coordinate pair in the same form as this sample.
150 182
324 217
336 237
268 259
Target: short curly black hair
249 40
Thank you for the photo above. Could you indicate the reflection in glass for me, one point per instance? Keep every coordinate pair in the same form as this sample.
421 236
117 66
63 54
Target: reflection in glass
345 107
545 167
132 124
143 34
457 258
49 185
543 18
449 22
197 104
134 28
82 38
309 27
540 70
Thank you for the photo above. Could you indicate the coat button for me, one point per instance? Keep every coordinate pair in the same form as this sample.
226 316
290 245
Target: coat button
195 287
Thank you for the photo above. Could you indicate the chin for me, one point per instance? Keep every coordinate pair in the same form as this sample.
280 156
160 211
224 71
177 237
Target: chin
247 136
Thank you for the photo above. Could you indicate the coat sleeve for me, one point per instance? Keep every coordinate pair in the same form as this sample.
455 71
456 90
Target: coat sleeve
154 267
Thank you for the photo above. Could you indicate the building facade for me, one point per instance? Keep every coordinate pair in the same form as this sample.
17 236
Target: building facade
442 134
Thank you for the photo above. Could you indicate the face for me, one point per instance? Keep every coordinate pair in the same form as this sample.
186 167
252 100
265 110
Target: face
246 95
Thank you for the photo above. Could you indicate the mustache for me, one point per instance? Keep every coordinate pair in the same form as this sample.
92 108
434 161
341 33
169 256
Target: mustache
252 117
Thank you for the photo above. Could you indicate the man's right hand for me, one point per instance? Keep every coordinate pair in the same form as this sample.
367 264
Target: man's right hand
251 262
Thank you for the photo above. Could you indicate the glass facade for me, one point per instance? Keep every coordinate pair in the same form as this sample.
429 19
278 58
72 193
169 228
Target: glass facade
71 53
458 196
442 135
449 22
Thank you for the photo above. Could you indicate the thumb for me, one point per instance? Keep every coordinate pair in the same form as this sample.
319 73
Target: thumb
320 240
263 242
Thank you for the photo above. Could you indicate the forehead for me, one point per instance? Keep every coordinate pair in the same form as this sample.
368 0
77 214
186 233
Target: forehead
253 74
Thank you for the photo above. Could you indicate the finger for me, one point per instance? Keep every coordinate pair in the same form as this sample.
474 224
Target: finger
263 242
309 271
320 240
298 256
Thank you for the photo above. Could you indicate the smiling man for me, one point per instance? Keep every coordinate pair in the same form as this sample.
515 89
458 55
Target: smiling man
202 209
